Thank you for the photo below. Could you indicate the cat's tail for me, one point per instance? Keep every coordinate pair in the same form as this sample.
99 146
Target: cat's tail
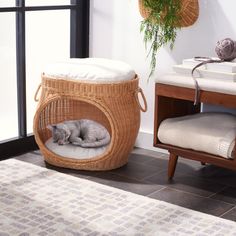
100 143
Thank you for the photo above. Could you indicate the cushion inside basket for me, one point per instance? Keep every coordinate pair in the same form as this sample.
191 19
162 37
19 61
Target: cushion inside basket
73 151
210 132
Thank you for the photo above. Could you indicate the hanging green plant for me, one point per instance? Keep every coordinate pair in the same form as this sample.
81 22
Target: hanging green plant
162 19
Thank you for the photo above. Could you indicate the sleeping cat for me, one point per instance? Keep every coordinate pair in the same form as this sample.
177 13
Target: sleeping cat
84 133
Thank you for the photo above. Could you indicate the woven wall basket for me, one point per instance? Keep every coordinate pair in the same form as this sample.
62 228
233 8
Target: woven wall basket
114 105
188 13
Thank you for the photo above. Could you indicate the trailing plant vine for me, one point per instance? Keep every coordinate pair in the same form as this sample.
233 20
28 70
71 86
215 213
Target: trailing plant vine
160 27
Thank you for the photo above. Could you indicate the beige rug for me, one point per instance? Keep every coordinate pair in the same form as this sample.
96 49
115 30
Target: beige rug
36 201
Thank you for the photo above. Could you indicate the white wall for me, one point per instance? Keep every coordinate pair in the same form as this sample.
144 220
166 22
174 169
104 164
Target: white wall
115 34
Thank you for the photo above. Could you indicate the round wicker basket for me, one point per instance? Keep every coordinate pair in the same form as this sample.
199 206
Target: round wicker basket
114 105
188 13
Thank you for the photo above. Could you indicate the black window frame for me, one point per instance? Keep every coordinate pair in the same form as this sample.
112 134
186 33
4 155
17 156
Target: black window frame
79 48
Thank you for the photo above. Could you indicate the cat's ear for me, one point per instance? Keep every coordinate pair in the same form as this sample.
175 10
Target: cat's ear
51 127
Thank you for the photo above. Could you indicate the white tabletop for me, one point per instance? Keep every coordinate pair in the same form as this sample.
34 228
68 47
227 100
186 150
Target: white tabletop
212 85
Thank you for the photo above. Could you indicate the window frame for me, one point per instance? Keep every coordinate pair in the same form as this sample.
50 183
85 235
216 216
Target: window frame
79 48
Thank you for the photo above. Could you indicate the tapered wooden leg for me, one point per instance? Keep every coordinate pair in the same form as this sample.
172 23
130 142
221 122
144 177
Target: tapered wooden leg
171 165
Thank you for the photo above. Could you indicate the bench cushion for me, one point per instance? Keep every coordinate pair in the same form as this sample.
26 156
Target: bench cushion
210 132
97 70
220 86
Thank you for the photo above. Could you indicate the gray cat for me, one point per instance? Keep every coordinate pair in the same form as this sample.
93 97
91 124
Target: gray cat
84 133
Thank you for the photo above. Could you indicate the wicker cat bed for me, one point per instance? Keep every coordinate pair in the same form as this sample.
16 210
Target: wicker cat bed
114 105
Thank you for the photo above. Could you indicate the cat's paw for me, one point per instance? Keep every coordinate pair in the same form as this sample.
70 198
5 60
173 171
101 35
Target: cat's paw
77 143
62 142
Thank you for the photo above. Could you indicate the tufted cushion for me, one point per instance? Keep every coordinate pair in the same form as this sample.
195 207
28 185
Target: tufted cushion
97 70
220 86
211 132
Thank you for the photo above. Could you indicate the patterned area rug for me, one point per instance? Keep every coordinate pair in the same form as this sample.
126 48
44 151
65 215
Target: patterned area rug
36 201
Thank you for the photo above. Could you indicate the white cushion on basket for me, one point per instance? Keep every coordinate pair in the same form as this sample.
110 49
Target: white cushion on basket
211 132
90 69
73 151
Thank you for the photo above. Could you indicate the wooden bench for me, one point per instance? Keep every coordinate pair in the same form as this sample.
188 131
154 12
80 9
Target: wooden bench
174 97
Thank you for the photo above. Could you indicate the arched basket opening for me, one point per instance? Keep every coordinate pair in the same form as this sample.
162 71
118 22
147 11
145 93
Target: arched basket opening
62 109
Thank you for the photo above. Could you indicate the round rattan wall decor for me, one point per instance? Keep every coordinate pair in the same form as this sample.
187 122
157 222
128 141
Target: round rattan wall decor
189 12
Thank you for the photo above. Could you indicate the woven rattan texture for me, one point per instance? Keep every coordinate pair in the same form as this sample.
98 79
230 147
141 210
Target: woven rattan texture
188 13
114 105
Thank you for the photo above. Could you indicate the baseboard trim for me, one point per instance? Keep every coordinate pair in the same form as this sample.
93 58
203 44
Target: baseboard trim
145 141
17 146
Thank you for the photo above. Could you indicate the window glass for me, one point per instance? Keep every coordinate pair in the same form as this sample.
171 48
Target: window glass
47 40
7 3
46 2
8 85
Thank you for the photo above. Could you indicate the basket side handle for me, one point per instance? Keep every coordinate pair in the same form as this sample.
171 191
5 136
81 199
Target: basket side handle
36 99
144 107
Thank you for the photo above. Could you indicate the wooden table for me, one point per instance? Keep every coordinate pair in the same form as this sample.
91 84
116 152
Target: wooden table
173 101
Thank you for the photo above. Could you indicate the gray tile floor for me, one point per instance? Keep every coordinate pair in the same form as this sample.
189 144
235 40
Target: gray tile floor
207 189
